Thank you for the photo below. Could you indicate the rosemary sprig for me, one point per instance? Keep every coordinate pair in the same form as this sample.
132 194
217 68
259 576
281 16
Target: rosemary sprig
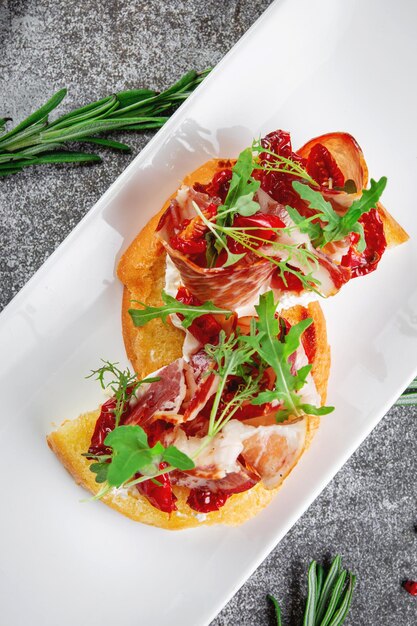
36 140
409 395
328 599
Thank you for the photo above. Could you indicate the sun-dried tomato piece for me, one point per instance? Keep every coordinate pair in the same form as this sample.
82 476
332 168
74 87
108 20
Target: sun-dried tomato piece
362 263
322 166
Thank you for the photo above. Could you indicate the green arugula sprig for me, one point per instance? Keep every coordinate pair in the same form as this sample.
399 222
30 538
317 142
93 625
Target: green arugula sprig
276 352
36 140
171 306
332 226
329 598
233 357
122 383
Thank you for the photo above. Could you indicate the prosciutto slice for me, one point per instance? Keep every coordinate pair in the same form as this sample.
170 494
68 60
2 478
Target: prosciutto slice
270 451
350 161
161 399
227 287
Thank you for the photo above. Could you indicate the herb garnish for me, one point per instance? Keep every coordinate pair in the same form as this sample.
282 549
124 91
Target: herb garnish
280 164
36 140
244 357
334 227
172 306
276 352
291 254
124 384
329 598
233 357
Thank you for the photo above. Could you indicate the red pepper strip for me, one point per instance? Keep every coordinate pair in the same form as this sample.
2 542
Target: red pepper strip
160 496
322 166
265 221
205 328
362 263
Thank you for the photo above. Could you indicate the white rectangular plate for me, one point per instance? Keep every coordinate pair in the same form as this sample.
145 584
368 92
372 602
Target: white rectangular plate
310 67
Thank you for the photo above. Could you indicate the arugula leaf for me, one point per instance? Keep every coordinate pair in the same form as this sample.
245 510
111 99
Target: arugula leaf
241 186
177 459
239 199
245 205
132 454
333 226
276 352
231 355
171 306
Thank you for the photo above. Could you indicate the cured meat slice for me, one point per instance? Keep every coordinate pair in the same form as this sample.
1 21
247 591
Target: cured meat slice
272 451
227 287
161 399
350 162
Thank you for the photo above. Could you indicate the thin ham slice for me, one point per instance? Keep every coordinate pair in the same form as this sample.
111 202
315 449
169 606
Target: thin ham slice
350 160
234 482
272 451
227 287
161 399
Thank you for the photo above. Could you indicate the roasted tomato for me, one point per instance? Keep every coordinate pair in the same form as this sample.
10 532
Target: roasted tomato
323 167
362 263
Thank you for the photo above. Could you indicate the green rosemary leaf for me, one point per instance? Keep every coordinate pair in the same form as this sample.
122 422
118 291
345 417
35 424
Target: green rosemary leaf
310 610
88 128
146 125
39 115
407 399
334 571
134 109
341 614
277 609
67 157
80 111
320 578
334 599
133 96
98 110
108 143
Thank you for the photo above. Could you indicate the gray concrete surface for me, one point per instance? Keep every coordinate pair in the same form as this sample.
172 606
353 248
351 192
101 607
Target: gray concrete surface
95 47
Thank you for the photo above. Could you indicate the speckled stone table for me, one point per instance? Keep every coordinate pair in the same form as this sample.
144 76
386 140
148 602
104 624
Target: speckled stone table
94 47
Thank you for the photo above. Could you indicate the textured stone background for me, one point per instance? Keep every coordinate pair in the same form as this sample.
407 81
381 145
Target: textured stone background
95 47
